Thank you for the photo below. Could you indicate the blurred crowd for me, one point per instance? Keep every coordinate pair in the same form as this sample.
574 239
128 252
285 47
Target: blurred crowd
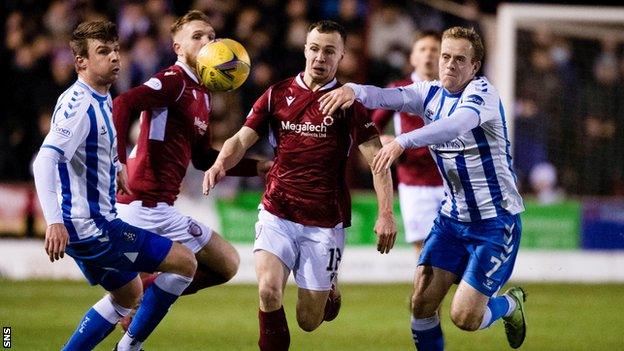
569 112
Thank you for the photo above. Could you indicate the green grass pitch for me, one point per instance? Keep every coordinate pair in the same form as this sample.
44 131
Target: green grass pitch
42 315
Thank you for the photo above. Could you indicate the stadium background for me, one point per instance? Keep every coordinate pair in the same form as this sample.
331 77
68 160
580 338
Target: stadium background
567 108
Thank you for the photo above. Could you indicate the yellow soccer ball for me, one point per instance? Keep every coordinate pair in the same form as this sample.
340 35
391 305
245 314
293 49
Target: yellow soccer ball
223 65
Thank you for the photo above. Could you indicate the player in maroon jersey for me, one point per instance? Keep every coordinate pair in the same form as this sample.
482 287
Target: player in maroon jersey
175 130
420 185
306 206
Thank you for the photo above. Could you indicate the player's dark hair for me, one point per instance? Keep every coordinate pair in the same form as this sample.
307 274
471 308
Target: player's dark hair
327 26
104 31
427 34
468 34
193 15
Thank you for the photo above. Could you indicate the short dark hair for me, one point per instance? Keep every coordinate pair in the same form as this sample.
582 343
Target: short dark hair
327 26
468 34
193 15
426 34
105 31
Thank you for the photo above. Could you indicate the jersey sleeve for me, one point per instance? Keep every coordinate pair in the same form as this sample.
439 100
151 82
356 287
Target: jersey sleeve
362 128
69 128
409 98
162 90
259 116
481 97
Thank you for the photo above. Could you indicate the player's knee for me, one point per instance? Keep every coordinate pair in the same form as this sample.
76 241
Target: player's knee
271 296
187 263
308 321
231 267
465 319
421 307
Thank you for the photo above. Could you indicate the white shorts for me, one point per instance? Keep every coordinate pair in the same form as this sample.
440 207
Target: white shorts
312 253
167 221
419 207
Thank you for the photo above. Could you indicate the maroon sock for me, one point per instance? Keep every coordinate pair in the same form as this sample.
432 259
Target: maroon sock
274 335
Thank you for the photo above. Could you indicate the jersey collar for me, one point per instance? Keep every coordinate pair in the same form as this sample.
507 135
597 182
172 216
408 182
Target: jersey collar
299 79
188 71
93 92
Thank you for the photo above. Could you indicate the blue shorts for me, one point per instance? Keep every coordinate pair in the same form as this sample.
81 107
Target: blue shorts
482 253
114 258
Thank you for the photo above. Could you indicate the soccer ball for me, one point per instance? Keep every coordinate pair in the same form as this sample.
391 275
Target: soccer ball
223 65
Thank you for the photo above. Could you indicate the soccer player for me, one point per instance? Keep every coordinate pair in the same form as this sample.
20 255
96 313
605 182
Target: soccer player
174 130
420 185
76 172
306 205
476 237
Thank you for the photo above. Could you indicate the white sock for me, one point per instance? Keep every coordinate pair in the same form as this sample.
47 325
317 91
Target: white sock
487 316
512 305
127 343
110 310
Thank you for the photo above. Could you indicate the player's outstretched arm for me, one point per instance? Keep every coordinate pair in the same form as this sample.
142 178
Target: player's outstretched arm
403 99
232 152
44 170
385 226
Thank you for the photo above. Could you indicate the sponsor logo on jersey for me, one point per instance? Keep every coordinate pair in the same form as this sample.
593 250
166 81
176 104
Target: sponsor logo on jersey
169 73
103 130
201 125
475 99
328 120
64 132
449 149
369 124
154 83
307 128
289 100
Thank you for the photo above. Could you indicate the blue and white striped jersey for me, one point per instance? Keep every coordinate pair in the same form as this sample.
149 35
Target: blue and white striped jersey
476 167
82 132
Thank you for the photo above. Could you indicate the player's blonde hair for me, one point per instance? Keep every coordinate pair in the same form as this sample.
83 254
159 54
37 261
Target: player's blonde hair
468 34
193 15
105 31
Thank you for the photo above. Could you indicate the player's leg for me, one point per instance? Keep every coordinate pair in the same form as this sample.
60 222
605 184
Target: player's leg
441 262
218 262
177 267
475 305
316 271
272 276
99 321
274 254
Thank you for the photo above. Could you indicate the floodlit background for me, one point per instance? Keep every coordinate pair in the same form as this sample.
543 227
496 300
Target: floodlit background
559 70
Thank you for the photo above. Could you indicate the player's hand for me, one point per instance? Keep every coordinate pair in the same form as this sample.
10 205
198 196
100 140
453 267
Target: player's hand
56 239
263 167
342 97
384 158
386 230
212 177
386 139
122 181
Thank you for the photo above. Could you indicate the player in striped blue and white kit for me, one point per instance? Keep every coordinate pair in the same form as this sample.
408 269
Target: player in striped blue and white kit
76 174
476 237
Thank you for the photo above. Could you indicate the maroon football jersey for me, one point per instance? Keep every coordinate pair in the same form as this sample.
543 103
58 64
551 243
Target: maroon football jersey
415 166
307 182
175 129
